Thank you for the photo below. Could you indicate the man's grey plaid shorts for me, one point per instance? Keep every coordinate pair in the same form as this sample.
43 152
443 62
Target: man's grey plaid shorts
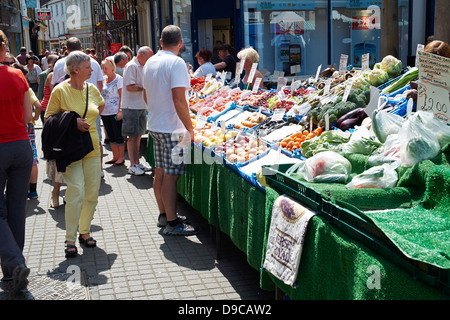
168 155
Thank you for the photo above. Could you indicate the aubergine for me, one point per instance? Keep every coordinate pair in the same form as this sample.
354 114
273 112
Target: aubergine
349 115
349 123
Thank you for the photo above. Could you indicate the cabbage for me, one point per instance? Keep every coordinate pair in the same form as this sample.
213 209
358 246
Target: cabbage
377 77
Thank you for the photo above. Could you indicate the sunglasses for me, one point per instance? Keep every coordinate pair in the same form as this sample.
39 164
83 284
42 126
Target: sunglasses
8 63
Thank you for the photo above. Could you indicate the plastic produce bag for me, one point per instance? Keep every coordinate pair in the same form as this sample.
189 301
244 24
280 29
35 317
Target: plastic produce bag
326 166
385 123
417 142
440 129
383 176
387 153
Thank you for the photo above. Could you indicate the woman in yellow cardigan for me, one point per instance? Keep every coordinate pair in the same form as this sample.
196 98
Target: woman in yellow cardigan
82 177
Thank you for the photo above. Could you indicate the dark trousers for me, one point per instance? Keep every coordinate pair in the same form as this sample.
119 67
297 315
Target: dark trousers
113 128
16 161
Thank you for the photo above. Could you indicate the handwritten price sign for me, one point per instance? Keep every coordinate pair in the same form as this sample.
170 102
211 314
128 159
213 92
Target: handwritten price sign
434 85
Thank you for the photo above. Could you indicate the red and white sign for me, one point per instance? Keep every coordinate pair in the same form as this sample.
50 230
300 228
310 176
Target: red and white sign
43 14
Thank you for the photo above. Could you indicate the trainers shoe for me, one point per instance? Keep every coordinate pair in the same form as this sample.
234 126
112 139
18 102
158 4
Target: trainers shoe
181 229
135 170
144 168
33 195
20 275
162 220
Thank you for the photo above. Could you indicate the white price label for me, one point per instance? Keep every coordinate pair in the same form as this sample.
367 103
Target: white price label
365 62
281 83
241 64
278 115
326 89
252 73
373 103
317 73
347 89
343 63
257 85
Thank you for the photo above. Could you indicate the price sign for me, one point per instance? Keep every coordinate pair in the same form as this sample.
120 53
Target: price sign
252 73
281 83
257 85
317 73
365 61
241 65
238 71
373 103
420 48
278 114
347 89
295 69
295 85
326 90
343 63
434 85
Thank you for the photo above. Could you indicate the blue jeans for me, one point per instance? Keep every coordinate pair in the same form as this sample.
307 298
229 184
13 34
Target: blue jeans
15 169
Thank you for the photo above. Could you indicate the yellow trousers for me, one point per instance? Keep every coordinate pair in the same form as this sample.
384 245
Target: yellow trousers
83 184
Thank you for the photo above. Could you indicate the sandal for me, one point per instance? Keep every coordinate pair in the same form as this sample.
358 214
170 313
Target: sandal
54 202
70 250
89 242
111 161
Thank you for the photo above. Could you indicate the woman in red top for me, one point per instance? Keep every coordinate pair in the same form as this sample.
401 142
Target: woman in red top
15 169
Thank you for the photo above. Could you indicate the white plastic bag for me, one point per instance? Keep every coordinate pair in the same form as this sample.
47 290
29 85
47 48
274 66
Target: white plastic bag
387 153
326 166
385 123
383 176
417 142
440 129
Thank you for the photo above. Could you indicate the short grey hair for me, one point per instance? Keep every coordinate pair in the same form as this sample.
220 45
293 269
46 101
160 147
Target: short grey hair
171 36
75 59
119 56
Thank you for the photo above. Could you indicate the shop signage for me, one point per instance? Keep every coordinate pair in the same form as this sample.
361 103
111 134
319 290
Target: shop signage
31 4
115 47
43 14
434 85
365 23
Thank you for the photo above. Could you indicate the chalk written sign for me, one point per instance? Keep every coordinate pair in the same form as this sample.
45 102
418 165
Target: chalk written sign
434 85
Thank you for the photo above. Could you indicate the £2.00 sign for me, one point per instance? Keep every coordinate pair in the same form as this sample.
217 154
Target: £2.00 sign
434 85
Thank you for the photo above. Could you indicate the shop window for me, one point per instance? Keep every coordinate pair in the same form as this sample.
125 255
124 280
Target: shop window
287 34
182 10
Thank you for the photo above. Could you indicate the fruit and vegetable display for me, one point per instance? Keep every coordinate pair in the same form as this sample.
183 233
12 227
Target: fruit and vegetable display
325 115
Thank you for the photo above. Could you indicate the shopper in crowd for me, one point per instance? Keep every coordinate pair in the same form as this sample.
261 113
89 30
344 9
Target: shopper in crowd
134 108
59 74
82 177
127 51
36 59
44 60
52 172
228 63
251 56
50 59
15 169
22 57
206 67
112 114
166 80
36 109
33 74
120 60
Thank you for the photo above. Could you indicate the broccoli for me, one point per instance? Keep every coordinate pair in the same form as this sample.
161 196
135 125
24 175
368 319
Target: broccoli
359 97
335 111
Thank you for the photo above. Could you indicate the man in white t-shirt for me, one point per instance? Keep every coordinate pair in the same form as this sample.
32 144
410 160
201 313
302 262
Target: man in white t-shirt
74 44
134 108
166 80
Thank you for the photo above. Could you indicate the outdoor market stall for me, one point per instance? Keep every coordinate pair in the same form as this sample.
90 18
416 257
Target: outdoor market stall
350 148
